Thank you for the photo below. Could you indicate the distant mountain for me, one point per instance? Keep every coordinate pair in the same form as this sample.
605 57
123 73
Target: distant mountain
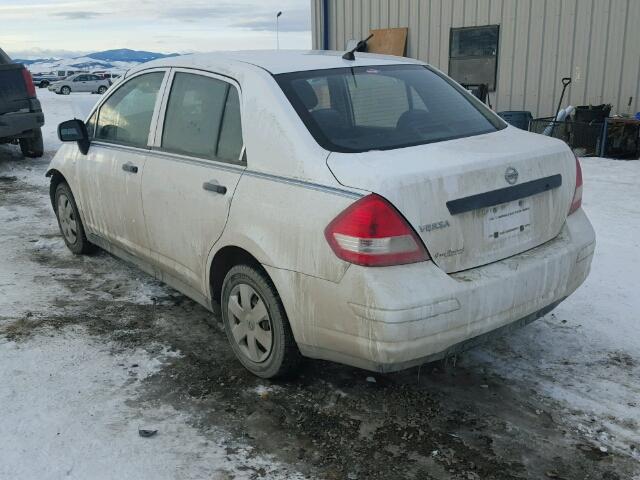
25 61
127 55
119 60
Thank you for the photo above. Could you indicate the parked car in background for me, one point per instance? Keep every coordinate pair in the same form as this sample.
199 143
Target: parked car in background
43 80
111 77
21 116
80 82
65 73
368 211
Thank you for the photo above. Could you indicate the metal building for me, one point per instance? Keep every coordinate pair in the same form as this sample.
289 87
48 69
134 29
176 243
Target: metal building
528 44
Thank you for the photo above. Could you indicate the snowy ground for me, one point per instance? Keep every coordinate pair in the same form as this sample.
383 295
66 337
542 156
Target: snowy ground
91 350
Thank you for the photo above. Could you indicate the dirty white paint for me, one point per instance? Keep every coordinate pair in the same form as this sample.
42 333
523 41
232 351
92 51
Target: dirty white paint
420 180
279 205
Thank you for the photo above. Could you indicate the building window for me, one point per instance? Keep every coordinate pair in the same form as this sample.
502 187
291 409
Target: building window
473 55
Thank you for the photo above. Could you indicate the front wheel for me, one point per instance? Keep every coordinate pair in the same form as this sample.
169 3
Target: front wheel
32 147
69 221
102 89
65 90
256 324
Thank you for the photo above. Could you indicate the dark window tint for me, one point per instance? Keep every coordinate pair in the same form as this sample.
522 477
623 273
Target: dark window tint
230 142
378 108
91 125
125 117
203 118
474 42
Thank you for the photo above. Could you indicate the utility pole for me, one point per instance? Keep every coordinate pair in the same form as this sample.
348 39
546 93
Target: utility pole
278 30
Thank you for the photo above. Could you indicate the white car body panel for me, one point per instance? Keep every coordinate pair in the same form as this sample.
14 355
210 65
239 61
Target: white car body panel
387 319
420 180
277 207
77 85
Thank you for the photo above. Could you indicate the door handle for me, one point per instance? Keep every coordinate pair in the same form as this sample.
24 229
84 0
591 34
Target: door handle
214 187
129 167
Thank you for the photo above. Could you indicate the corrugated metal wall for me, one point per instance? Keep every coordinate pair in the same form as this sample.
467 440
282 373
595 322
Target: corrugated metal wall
596 42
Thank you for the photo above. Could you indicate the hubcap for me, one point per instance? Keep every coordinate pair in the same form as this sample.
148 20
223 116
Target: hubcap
67 219
250 323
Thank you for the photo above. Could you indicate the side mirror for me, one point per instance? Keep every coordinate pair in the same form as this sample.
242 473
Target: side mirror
75 131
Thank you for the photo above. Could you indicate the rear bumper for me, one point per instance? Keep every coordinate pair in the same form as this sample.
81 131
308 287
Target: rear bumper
17 124
391 318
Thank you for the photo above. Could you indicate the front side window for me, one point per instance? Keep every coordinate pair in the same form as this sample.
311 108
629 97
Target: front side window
91 124
203 118
125 118
384 107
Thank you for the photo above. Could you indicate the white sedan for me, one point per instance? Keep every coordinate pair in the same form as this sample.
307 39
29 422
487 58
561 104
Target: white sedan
368 211
80 82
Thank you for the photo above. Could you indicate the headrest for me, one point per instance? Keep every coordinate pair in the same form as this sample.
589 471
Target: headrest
413 119
306 93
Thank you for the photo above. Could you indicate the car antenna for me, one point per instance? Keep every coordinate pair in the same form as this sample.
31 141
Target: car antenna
361 44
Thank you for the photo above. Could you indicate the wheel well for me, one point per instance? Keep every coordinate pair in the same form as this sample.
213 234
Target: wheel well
225 259
56 179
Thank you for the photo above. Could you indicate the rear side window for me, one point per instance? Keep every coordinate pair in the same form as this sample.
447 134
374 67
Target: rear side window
203 118
384 107
125 118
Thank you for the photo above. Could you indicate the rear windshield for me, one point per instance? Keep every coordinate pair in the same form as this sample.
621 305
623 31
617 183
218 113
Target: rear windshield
384 107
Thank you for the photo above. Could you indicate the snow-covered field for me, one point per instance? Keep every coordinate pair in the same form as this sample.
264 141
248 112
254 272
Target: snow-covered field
91 350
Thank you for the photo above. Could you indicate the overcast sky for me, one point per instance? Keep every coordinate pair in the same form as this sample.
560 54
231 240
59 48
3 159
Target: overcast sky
43 28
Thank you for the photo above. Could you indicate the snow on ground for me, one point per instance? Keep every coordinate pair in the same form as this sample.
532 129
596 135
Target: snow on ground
68 400
73 397
68 396
597 329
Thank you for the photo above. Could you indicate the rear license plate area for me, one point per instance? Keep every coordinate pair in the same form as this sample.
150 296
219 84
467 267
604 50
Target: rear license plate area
512 219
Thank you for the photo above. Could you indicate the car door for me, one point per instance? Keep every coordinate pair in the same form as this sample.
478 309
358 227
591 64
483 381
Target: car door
192 172
111 173
79 84
92 83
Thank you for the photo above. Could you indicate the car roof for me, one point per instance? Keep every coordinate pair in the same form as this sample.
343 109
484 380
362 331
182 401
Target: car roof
275 61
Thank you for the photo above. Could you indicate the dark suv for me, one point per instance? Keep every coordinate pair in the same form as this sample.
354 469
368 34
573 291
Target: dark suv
20 113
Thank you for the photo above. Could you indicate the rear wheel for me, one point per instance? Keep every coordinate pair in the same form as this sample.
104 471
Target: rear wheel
256 324
69 221
44 84
33 146
65 90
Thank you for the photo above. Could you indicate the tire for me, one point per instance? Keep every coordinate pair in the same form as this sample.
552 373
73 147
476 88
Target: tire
32 147
102 89
44 84
69 221
246 288
65 90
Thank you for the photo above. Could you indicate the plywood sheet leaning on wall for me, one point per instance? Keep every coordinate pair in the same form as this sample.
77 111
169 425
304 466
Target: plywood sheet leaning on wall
388 41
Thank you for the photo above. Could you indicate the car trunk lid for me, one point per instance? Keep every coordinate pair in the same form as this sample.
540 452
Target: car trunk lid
474 200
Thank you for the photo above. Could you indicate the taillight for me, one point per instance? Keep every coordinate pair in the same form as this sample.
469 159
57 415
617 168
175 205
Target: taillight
576 203
28 83
371 232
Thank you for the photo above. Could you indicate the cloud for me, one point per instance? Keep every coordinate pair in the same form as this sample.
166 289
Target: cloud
290 21
78 15
35 53
199 12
